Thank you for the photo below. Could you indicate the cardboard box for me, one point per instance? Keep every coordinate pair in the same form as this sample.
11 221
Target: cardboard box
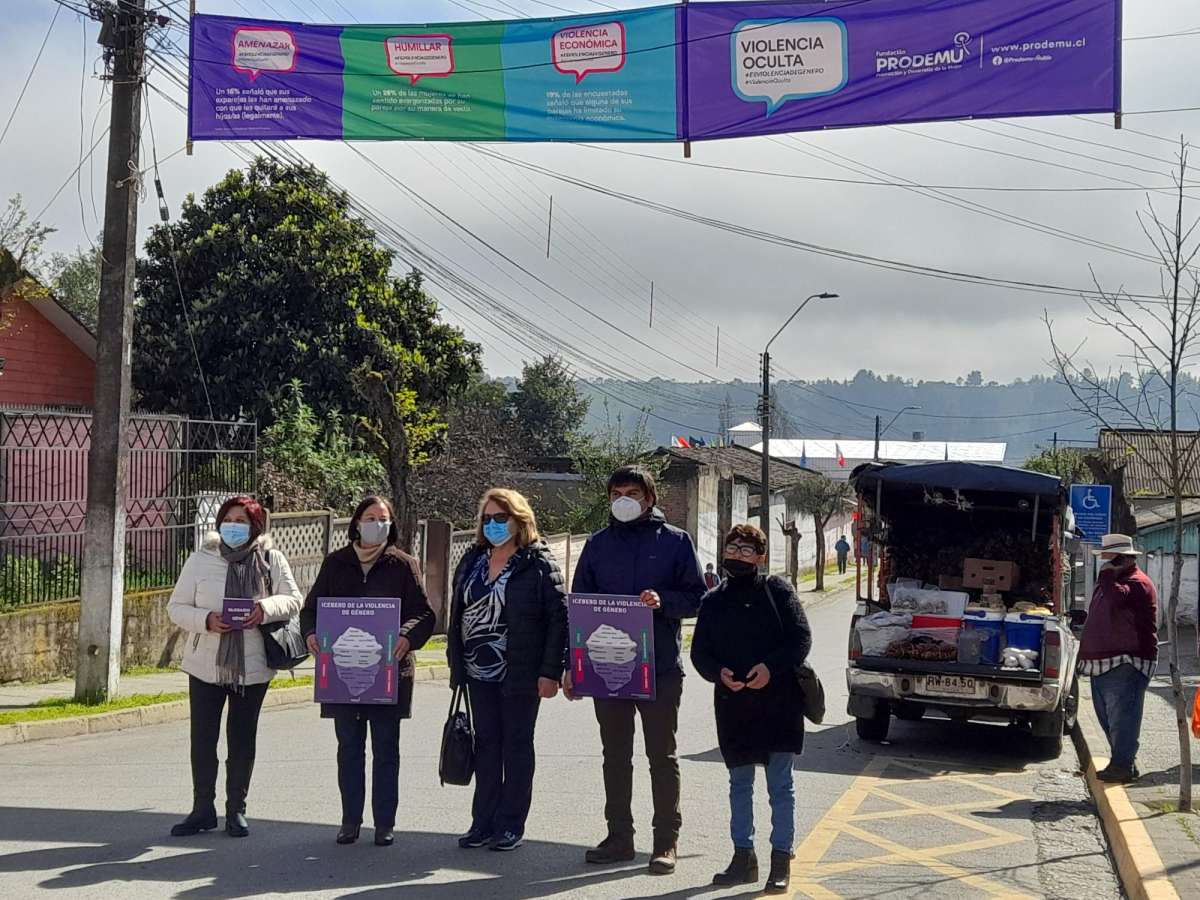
996 574
950 582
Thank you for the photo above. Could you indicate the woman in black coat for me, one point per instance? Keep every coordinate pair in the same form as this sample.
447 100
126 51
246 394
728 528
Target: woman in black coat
505 644
750 636
372 566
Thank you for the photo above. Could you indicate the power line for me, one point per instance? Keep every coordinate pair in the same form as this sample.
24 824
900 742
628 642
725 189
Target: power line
28 78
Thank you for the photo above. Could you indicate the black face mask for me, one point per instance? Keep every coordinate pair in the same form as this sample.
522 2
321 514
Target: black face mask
739 568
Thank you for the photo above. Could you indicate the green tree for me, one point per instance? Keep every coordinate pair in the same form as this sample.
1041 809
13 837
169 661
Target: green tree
74 279
596 457
821 498
1068 463
21 243
307 464
404 386
279 282
550 410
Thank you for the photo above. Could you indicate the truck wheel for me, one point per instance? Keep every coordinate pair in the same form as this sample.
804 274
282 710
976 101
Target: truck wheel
874 728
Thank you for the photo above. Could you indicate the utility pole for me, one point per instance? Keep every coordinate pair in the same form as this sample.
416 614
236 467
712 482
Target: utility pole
98 662
877 439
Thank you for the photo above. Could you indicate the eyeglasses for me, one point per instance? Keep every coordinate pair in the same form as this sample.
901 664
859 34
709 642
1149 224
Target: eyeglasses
500 518
742 550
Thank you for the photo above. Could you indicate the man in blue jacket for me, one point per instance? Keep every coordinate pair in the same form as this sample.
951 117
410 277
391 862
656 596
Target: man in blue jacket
639 554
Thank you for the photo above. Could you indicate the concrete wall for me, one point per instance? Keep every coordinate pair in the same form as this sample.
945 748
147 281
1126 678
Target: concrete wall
1160 567
836 527
707 535
741 503
39 643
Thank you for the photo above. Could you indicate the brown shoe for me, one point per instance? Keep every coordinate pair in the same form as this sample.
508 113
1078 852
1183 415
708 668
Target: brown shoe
663 861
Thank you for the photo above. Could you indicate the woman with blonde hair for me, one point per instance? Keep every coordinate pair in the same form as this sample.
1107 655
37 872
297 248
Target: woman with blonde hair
507 631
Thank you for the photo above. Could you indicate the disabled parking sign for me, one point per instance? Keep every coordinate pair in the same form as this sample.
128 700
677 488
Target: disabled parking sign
1092 506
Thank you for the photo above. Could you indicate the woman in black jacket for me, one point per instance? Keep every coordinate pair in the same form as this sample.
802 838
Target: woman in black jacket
372 566
508 628
750 636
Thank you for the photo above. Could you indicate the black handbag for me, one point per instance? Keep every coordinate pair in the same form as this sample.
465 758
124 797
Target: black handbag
812 692
283 642
456 764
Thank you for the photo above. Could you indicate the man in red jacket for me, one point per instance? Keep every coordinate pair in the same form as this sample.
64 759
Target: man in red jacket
1119 651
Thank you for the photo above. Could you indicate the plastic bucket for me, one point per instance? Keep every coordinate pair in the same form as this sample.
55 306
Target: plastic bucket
993 626
1024 631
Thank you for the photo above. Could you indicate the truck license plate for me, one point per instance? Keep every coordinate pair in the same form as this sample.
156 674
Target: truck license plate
949 686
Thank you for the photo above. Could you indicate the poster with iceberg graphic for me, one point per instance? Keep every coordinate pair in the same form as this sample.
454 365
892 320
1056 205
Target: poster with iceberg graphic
612 646
357 636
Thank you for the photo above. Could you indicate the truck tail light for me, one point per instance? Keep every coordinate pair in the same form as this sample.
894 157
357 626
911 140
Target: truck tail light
855 648
1052 654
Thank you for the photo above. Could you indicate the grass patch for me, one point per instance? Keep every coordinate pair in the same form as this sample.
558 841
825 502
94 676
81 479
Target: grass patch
66 707
149 670
437 642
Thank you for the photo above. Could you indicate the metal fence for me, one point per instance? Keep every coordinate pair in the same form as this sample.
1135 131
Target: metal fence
306 538
179 472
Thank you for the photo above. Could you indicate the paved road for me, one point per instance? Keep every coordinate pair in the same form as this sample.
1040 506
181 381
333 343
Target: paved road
941 812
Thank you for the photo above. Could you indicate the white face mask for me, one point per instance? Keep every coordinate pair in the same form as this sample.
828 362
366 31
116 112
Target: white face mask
626 509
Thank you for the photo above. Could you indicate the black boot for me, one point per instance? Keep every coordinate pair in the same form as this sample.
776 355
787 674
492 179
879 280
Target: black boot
742 870
237 786
781 873
203 817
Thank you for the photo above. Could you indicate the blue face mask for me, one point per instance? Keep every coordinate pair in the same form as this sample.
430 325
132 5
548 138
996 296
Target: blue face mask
497 533
235 534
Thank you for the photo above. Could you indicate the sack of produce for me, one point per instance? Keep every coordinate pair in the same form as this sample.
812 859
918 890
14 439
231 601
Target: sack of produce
876 632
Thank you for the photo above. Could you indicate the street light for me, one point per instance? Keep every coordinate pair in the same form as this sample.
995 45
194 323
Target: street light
880 431
764 512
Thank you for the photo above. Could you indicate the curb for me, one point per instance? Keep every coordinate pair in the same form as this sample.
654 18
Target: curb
1139 866
160 714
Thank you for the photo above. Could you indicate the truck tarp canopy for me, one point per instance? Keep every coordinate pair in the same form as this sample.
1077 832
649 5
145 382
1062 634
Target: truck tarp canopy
960 476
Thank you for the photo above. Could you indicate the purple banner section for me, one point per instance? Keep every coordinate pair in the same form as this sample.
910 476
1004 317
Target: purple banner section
259 80
612 646
768 68
357 637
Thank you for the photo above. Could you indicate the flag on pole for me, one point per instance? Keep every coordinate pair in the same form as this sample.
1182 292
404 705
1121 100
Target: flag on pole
679 442
804 455
841 460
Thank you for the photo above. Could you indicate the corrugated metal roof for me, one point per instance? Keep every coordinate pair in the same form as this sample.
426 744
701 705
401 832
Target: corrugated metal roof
892 451
1163 514
746 464
1143 454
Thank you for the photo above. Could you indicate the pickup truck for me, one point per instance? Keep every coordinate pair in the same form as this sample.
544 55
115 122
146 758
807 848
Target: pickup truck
921 520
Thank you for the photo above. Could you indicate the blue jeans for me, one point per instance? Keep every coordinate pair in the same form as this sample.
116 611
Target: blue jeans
783 804
1118 696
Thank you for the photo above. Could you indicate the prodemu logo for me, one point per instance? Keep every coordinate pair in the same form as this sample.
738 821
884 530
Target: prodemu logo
901 62
779 60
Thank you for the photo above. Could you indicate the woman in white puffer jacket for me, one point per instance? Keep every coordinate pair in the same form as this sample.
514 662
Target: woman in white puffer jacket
224 663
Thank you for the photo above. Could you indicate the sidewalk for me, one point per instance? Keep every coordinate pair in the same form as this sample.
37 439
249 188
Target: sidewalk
1173 836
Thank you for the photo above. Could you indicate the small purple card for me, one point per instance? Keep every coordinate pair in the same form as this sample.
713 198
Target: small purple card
235 611
612 646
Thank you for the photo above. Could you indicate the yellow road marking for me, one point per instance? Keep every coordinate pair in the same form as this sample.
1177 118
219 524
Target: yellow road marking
844 819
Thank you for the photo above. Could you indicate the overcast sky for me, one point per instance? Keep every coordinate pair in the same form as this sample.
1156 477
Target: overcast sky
607 251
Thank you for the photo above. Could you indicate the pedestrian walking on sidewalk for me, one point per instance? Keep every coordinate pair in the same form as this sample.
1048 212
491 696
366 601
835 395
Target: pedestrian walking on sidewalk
508 625
750 636
711 578
843 554
1119 651
227 664
372 565
640 555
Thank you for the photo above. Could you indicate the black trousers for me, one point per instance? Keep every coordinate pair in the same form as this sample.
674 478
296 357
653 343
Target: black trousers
351 733
660 720
843 563
504 757
207 702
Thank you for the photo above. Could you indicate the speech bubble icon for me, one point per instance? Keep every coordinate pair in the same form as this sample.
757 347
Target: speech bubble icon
420 56
583 49
777 60
257 50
